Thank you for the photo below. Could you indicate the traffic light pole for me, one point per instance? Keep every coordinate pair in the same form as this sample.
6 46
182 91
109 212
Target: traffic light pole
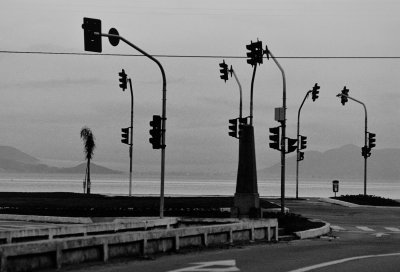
251 94
298 144
131 141
283 136
240 91
164 103
365 138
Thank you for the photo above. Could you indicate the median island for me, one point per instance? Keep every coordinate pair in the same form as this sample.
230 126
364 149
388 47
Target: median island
98 206
370 200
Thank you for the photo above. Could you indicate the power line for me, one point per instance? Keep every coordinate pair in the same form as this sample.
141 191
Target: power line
191 56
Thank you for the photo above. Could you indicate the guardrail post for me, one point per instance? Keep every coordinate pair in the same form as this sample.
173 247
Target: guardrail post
105 252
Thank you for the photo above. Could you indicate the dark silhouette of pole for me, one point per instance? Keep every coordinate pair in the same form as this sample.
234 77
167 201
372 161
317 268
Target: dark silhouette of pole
298 144
131 141
163 120
240 92
283 136
251 94
365 137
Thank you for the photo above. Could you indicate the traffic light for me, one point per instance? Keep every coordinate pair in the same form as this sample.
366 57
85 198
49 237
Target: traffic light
291 145
300 156
274 137
315 92
242 123
366 151
371 140
122 80
233 124
224 70
256 53
303 142
92 41
345 93
125 135
155 132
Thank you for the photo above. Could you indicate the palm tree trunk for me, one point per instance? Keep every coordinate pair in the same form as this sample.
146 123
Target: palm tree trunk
88 177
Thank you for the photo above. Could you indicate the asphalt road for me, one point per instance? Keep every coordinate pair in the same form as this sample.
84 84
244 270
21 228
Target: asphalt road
364 239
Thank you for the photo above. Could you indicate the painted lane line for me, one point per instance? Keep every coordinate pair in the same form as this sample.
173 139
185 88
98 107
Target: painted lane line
312 267
337 228
214 266
392 229
364 228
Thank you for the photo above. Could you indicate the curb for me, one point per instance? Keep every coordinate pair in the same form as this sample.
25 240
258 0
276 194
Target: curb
312 233
339 202
47 219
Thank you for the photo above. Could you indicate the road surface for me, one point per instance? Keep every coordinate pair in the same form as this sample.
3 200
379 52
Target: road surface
363 239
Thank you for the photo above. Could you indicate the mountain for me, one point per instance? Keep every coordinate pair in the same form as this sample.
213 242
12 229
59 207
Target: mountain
14 160
343 162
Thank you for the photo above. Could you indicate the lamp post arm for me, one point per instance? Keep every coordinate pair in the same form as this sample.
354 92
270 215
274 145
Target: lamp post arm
240 92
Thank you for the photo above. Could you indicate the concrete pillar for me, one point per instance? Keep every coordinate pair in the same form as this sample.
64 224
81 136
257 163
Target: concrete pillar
246 198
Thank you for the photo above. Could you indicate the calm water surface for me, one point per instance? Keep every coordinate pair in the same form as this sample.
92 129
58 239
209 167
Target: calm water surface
119 185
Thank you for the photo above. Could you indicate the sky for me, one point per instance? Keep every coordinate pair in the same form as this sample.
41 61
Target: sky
46 99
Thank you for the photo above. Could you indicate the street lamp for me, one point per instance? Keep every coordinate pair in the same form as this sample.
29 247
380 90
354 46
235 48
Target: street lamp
302 139
365 151
92 37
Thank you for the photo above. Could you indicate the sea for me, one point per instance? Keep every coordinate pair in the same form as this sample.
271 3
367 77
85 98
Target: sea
189 186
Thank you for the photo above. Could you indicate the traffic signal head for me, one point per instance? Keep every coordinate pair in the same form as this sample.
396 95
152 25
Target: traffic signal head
125 135
371 140
92 34
274 137
233 125
122 80
156 132
315 92
256 53
224 70
303 142
291 145
345 93
366 151
300 156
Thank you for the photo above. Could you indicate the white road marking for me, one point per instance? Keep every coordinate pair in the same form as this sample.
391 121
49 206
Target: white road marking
312 267
215 266
364 228
337 228
392 229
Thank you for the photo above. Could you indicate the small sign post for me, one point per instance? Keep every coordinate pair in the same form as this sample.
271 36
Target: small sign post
335 185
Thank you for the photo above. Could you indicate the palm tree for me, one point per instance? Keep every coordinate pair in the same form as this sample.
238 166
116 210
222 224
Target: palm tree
89 145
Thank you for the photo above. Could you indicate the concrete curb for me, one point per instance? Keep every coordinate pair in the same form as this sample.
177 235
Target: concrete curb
312 233
339 202
46 219
352 205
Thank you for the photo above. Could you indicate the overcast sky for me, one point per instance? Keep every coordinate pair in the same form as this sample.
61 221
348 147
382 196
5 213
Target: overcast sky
47 99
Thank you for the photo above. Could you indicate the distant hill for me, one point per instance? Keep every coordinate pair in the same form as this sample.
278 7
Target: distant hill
343 162
14 160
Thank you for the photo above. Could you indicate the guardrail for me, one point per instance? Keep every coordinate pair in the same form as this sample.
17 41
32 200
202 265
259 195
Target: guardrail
56 253
75 230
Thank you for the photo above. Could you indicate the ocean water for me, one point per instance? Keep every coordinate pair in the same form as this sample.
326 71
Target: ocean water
119 185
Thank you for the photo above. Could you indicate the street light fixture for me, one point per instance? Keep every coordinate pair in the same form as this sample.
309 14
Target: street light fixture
92 37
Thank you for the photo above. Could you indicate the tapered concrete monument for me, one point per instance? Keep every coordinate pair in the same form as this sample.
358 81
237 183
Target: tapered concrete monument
246 200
